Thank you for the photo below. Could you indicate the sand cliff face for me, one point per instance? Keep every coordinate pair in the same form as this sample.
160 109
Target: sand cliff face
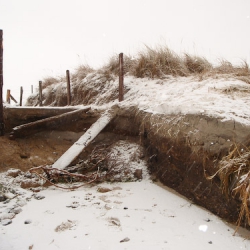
184 151
212 135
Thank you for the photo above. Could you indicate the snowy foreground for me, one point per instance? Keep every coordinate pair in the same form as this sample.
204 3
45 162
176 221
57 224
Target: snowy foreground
136 215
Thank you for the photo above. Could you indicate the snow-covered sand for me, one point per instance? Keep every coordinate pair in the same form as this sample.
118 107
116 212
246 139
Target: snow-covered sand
227 99
149 215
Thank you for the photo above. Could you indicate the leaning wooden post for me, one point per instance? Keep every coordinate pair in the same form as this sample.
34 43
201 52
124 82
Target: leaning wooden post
40 94
1 85
21 96
68 87
13 99
121 78
8 96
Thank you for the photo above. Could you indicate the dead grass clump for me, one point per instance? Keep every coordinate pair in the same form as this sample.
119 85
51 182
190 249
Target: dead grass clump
49 81
81 72
112 67
196 64
159 62
241 72
226 67
234 174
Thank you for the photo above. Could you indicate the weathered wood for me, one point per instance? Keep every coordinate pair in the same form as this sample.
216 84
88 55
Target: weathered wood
121 78
47 123
1 85
73 152
13 99
68 87
16 116
40 94
21 96
8 96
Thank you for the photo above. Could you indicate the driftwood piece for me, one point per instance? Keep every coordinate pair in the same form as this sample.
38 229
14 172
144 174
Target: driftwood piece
71 154
47 123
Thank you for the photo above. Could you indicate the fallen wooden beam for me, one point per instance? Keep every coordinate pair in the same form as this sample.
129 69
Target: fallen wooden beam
47 123
15 115
71 154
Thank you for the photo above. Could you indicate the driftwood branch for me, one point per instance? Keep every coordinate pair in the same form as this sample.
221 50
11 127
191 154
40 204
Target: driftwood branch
52 174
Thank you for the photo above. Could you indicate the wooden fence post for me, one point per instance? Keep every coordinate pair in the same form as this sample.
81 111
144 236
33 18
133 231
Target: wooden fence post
40 94
8 96
68 87
121 78
21 96
1 85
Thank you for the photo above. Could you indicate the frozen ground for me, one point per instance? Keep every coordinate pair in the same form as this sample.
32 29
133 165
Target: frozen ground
146 214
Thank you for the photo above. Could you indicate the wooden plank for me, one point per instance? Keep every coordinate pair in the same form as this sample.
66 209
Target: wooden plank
47 123
73 152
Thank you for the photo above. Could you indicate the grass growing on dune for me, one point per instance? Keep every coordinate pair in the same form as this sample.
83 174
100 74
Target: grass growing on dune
160 62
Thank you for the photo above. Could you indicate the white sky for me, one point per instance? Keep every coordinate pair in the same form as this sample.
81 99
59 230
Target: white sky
45 37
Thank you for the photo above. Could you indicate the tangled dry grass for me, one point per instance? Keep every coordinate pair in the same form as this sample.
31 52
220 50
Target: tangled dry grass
159 62
234 174
47 81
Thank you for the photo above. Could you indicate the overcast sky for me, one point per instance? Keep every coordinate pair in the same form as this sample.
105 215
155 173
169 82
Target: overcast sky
46 37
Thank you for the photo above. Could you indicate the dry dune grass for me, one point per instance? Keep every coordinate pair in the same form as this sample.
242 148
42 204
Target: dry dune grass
196 64
234 174
112 66
81 72
47 81
161 61
158 63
